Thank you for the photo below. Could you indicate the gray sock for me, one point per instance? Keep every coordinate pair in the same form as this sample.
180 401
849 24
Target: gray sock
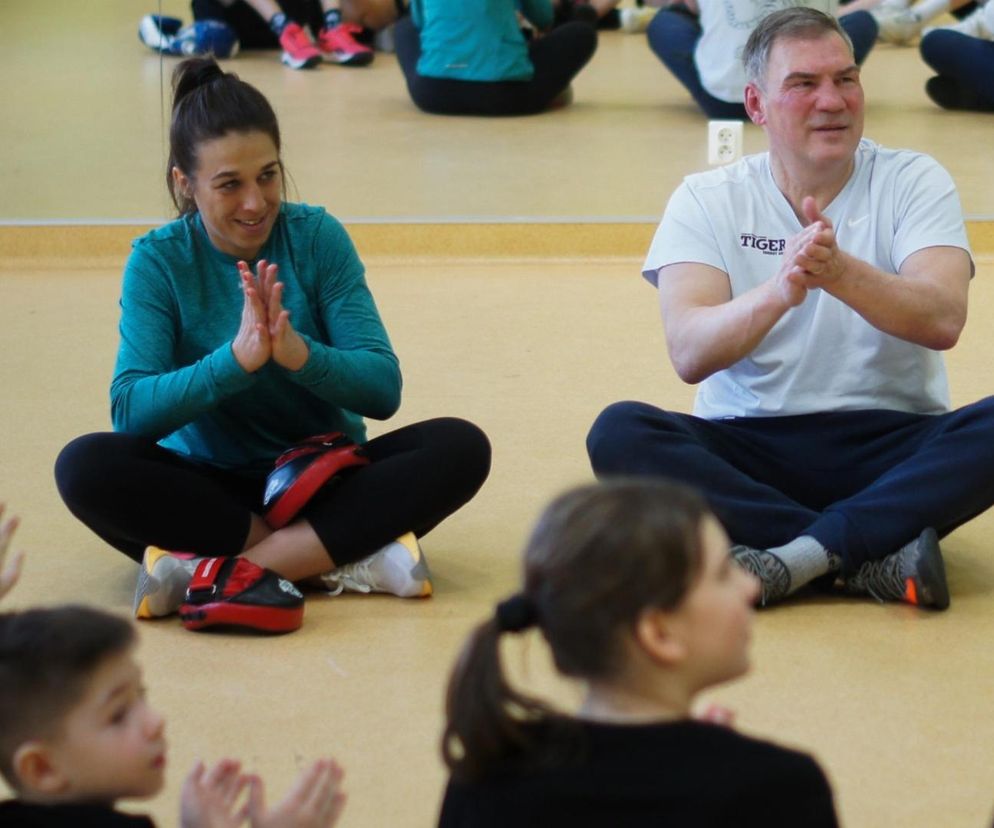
805 559
785 569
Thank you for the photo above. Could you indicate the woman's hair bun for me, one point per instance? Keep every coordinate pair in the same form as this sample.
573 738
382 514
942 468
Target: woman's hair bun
192 74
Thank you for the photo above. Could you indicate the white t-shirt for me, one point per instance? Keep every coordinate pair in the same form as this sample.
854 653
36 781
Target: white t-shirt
726 26
821 355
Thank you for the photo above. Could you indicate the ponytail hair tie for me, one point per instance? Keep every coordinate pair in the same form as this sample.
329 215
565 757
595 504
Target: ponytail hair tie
192 74
515 614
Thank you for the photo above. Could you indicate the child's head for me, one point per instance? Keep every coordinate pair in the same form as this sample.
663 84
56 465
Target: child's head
621 578
74 723
606 559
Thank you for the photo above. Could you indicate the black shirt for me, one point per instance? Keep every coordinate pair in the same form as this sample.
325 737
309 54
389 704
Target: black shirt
17 814
676 774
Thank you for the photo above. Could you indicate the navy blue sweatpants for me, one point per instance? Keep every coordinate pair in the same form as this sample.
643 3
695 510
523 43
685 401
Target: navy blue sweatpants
967 60
863 483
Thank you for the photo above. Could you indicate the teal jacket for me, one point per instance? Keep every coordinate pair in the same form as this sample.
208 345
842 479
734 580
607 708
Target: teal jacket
476 40
177 380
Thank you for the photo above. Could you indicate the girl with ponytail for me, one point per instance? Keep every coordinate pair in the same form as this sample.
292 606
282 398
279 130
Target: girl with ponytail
631 585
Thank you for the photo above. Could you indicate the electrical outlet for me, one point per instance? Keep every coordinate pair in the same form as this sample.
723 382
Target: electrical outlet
724 142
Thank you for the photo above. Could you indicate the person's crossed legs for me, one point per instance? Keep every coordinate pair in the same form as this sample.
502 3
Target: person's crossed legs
847 492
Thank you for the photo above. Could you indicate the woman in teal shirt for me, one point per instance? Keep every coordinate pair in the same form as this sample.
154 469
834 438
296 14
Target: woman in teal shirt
471 57
247 327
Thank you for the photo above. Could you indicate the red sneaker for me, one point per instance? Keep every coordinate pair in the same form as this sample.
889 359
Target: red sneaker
339 45
299 51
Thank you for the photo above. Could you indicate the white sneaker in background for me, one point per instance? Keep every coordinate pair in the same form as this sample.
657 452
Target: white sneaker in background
399 568
979 23
898 27
635 20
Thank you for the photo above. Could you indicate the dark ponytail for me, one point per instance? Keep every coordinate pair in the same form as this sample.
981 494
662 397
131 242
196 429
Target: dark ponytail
191 74
490 725
598 557
209 103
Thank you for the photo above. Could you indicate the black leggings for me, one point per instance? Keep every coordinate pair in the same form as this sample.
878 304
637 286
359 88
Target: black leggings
134 493
557 57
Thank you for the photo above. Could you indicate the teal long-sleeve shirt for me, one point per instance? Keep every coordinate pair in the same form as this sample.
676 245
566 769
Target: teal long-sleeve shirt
177 379
477 40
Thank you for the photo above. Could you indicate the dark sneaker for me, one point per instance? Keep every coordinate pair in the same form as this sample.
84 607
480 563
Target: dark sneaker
772 573
585 13
914 574
610 20
569 11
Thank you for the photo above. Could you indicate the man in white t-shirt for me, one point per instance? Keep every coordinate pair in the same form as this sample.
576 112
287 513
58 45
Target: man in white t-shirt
809 290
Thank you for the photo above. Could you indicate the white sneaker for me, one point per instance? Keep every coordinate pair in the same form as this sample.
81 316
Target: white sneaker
897 27
399 568
974 24
635 20
162 582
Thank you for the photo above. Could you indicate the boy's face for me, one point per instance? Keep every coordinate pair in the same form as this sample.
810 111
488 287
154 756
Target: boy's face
111 744
716 614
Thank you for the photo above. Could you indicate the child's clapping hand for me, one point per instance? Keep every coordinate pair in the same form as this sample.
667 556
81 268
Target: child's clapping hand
315 800
10 571
210 797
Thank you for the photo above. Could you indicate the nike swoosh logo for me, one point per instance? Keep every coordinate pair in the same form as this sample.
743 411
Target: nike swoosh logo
856 222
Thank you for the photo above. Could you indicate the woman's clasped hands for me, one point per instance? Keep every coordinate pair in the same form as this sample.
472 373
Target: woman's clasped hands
265 332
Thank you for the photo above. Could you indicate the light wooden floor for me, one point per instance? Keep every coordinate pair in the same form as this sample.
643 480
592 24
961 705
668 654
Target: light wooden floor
896 704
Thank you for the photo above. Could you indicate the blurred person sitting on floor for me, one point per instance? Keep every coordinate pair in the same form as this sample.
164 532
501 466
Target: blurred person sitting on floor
472 58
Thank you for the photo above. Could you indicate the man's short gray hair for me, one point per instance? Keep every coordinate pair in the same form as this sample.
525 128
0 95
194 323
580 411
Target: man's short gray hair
794 22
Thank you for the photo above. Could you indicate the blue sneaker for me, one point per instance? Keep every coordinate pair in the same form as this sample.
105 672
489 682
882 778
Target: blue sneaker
159 33
205 37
